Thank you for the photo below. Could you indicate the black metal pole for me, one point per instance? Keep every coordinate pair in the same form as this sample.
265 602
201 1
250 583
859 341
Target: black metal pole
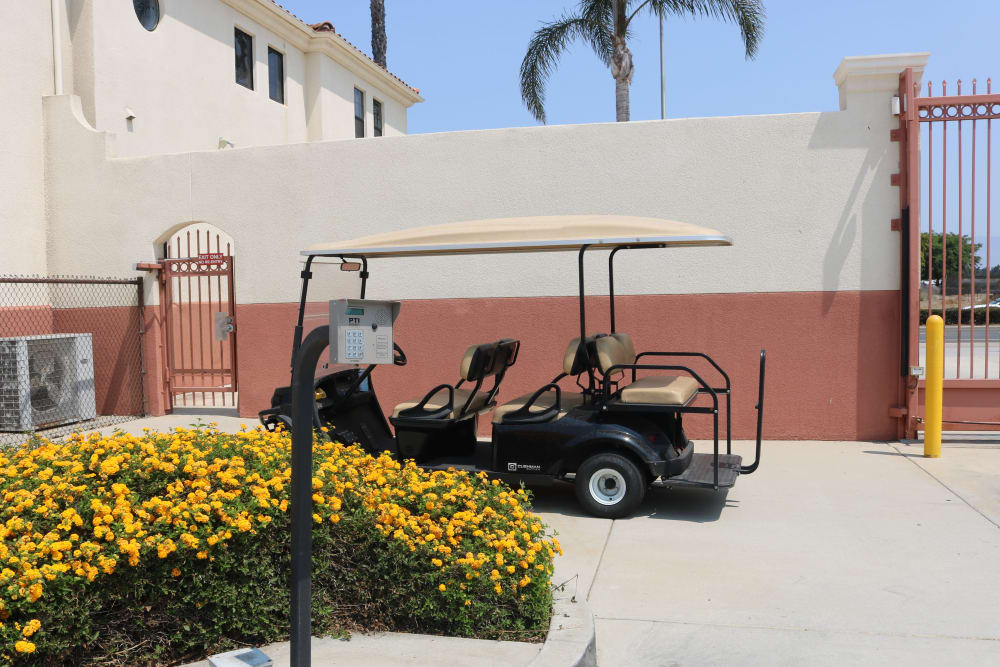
611 283
297 337
746 470
303 376
583 319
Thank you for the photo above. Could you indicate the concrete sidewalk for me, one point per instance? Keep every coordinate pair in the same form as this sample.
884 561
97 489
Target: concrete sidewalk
831 553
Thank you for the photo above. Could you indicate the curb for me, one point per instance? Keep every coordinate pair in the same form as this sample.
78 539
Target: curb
572 639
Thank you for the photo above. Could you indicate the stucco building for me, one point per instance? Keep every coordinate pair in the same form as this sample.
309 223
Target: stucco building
176 76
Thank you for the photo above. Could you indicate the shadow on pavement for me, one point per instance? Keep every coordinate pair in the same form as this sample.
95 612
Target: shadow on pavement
905 455
697 505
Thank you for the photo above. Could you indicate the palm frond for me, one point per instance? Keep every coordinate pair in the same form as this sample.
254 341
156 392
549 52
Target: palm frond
548 43
749 15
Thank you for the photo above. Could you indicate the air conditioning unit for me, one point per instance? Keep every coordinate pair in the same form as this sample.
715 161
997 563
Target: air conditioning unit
46 381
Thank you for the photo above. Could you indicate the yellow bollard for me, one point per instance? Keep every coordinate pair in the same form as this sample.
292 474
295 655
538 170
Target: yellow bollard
933 388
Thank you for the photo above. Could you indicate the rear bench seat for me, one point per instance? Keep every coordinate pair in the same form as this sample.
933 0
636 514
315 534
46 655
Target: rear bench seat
618 349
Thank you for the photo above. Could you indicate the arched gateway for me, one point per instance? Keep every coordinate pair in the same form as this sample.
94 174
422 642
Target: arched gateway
198 307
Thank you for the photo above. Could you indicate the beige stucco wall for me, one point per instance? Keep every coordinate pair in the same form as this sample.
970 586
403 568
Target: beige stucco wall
179 79
26 52
806 198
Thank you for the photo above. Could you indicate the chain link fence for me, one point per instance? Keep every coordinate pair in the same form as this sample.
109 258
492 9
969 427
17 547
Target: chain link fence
70 355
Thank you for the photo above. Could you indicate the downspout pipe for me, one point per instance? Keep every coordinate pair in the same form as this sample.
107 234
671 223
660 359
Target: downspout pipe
57 75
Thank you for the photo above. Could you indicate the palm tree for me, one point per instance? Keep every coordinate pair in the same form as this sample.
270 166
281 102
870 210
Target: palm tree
605 26
378 32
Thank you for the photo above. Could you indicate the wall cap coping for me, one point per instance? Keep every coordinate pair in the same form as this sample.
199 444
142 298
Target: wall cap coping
889 64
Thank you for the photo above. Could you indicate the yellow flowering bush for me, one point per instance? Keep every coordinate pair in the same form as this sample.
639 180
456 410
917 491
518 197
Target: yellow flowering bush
168 546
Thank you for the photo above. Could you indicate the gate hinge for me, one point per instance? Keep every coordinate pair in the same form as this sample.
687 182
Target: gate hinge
896 135
894 179
898 411
895 225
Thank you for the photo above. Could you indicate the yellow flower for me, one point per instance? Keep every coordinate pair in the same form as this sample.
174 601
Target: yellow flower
441 587
31 628
176 572
24 647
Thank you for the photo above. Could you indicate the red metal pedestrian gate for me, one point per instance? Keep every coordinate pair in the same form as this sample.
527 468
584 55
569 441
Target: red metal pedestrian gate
196 289
945 181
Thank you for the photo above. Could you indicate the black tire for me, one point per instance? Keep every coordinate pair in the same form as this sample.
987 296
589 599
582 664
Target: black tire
608 471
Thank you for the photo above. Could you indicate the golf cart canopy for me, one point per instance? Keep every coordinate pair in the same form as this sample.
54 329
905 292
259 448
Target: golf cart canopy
529 234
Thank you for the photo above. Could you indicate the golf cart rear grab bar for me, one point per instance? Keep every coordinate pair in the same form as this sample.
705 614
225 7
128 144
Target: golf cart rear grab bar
746 470
704 356
728 391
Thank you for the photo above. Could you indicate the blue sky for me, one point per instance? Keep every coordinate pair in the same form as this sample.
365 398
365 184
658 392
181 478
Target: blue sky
464 56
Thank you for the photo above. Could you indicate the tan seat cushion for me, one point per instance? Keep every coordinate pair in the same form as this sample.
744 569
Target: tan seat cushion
440 399
611 351
661 390
567 401
627 346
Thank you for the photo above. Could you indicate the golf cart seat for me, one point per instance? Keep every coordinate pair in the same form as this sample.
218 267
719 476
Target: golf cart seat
478 363
443 422
617 349
548 403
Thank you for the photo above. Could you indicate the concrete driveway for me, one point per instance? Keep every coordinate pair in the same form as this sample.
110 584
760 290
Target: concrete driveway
831 553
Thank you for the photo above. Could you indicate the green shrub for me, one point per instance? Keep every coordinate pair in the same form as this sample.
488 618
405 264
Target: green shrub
168 547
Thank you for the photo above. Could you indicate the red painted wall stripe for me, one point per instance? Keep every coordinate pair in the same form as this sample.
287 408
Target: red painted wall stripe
832 356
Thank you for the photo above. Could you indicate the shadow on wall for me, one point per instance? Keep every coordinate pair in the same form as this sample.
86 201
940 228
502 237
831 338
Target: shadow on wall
863 221
835 131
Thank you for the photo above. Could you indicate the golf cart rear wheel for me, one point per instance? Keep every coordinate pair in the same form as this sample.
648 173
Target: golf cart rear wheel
610 485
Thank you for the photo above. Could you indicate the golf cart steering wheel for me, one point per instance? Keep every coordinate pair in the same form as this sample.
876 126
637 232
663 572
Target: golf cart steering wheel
398 356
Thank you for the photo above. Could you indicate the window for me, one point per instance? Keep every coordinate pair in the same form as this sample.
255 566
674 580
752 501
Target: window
148 13
276 75
377 117
359 113
243 44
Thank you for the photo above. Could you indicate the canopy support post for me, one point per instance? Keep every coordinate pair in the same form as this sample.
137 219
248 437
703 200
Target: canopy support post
583 319
297 338
611 282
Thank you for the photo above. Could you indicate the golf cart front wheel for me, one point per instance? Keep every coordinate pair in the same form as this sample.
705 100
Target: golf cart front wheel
609 485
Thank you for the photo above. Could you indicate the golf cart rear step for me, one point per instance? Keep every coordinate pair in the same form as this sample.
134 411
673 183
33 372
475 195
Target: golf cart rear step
701 472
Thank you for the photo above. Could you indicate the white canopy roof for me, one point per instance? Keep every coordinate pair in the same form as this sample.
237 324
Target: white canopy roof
529 234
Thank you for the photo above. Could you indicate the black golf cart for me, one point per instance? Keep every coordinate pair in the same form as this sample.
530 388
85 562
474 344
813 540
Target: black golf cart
611 420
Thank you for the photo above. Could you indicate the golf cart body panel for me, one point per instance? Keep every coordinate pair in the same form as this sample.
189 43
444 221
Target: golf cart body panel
621 431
